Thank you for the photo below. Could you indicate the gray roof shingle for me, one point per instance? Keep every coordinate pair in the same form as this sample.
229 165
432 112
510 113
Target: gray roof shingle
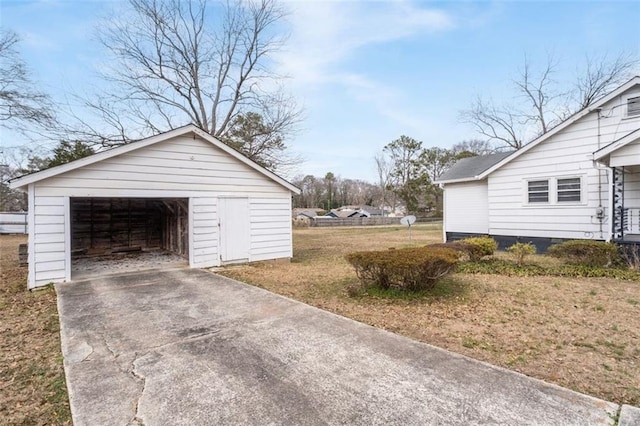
472 166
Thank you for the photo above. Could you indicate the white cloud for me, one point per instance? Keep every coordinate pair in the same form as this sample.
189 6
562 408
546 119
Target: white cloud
325 32
388 101
326 35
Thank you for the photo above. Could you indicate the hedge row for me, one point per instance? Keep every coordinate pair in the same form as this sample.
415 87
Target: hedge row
586 252
507 268
419 268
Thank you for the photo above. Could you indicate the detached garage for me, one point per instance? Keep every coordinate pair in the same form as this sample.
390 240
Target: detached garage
182 191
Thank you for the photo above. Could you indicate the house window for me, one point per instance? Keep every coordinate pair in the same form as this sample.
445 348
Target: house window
538 191
633 106
568 190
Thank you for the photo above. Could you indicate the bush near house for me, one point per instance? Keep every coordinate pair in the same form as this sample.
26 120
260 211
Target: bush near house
465 251
521 251
413 269
472 249
630 255
483 246
586 252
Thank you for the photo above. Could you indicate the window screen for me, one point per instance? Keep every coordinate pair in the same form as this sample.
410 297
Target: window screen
538 191
569 190
633 106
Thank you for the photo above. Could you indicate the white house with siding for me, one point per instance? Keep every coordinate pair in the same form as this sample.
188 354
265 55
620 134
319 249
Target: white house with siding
580 180
183 191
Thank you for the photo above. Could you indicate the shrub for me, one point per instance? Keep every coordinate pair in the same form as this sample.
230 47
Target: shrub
465 251
586 252
504 267
631 256
483 246
413 269
301 223
521 251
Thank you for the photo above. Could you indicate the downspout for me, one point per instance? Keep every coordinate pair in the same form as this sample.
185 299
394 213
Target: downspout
610 203
600 217
444 213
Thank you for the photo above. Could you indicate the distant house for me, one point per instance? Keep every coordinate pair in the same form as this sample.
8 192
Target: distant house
305 214
580 180
343 213
364 209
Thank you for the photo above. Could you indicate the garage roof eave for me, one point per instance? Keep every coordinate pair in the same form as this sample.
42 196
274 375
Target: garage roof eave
22 182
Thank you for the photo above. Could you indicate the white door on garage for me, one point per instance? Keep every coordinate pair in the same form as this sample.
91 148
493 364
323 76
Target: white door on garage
234 229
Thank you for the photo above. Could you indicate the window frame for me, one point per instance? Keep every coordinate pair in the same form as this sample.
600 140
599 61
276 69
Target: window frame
558 191
528 192
626 101
552 200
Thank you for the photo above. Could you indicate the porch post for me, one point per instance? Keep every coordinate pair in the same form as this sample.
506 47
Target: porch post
619 217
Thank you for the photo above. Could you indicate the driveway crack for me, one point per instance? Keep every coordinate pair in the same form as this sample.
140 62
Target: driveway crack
191 338
109 348
137 420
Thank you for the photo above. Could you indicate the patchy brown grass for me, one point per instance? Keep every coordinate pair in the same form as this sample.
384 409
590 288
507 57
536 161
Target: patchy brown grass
32 383
579 333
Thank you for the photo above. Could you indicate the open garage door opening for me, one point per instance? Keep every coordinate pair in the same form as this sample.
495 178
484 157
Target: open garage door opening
111 235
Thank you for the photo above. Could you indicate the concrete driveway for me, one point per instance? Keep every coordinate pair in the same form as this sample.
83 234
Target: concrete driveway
187 347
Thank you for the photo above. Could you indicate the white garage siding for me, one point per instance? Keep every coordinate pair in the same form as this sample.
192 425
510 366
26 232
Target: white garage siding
270 228
203 246
567 154
183 166
466 208
48 241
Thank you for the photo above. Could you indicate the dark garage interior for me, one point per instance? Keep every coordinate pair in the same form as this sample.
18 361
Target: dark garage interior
109 226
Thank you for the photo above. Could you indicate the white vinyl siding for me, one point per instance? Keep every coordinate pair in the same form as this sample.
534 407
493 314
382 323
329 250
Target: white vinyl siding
177 168
203 247
632 190
465 207
270 232
565 155
48 237
626 156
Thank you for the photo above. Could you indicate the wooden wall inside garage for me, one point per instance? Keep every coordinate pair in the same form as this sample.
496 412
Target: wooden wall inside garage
175 226
107 225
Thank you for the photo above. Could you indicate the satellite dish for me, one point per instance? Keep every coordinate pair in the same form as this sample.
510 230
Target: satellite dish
408 220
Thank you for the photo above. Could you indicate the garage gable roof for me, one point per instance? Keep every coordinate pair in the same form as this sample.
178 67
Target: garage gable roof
25 180
635 81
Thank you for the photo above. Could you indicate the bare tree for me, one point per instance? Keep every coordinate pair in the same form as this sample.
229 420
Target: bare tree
20 102
539 92
544 103
175 62
502 124
601 76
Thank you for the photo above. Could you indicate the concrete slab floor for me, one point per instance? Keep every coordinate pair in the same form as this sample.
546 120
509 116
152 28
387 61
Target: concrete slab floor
187 347
118 263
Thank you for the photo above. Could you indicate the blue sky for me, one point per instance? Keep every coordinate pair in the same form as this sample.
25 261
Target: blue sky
366 72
